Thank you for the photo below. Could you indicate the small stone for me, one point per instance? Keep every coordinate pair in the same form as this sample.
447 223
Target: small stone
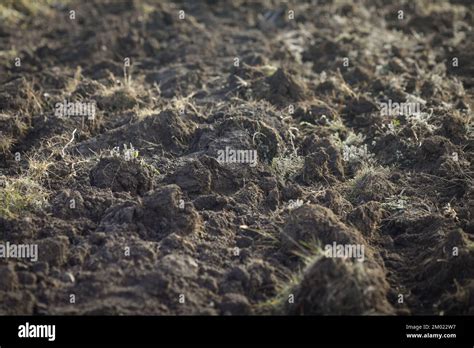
67 277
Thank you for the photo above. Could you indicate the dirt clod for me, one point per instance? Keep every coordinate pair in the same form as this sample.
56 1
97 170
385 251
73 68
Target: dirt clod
202 157
335 287
121 175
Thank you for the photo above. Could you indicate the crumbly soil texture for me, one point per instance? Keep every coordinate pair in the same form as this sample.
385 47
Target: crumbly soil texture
199 157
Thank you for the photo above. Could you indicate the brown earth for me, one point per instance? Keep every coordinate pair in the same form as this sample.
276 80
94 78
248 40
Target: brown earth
134 213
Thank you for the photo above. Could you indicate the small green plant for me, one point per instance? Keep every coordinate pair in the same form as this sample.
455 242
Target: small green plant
19 195
128 153
14 11
355 151
289 163
6 143
286 287
287 166
370 183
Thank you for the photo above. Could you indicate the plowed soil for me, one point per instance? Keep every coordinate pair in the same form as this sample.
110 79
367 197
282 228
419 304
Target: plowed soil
133 210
